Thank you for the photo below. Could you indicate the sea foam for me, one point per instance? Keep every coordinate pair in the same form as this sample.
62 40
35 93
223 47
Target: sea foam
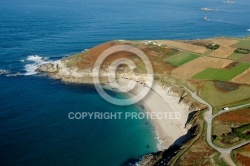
33 62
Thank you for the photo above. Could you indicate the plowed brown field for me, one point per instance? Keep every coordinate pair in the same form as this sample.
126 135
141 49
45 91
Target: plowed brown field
194 67
224 41
183 46
243 78
223 52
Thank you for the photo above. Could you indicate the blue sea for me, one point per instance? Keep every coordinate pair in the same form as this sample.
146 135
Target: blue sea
34 125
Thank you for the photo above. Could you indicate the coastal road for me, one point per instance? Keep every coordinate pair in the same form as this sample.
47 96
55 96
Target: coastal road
230 109
208 116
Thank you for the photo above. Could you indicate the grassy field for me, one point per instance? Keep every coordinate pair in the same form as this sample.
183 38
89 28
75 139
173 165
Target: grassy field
235 56
208 52
181 58
217 98
243 43
222 74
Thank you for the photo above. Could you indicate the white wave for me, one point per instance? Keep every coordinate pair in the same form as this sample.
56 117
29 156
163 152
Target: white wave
14 75
229 2
208 9
3 71
36 58
84 50
36 61
248 30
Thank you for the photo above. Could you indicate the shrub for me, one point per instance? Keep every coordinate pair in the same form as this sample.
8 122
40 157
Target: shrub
213 46
242 51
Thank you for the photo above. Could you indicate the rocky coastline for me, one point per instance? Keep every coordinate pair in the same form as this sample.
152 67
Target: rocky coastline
58 70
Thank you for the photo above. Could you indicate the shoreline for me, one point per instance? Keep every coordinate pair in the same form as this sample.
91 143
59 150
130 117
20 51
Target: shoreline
160 100
170 93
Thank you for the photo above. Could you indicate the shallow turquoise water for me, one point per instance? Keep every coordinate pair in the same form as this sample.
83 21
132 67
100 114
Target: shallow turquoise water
36 130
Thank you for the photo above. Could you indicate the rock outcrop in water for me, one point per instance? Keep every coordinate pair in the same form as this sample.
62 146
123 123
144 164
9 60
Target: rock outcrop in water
48 67
59 70
3 72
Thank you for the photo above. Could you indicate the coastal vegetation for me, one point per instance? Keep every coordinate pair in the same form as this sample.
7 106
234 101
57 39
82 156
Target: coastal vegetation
218 160
242 51
232 127
192 151
217 74
241 156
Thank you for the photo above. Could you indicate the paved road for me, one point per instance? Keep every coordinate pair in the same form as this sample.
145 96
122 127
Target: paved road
208 116
230 109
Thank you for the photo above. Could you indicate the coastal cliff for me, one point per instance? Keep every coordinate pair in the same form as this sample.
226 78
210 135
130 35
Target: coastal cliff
59 70
182 70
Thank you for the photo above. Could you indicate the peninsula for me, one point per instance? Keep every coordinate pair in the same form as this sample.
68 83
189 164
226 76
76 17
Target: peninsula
206 81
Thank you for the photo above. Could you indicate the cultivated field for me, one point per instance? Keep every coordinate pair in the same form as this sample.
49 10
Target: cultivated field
236 56
245 58
223 74
196 66
181 58
243 78
219 98
224 41
183 46
243 160
155 53
238 117
243 43
242 155
223 52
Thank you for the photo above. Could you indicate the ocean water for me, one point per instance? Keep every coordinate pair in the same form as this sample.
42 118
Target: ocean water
35 129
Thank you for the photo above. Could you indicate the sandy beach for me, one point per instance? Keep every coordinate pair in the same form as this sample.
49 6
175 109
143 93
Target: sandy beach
162 100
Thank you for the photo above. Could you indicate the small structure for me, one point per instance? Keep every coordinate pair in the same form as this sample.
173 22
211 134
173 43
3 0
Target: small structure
225 108
213 46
